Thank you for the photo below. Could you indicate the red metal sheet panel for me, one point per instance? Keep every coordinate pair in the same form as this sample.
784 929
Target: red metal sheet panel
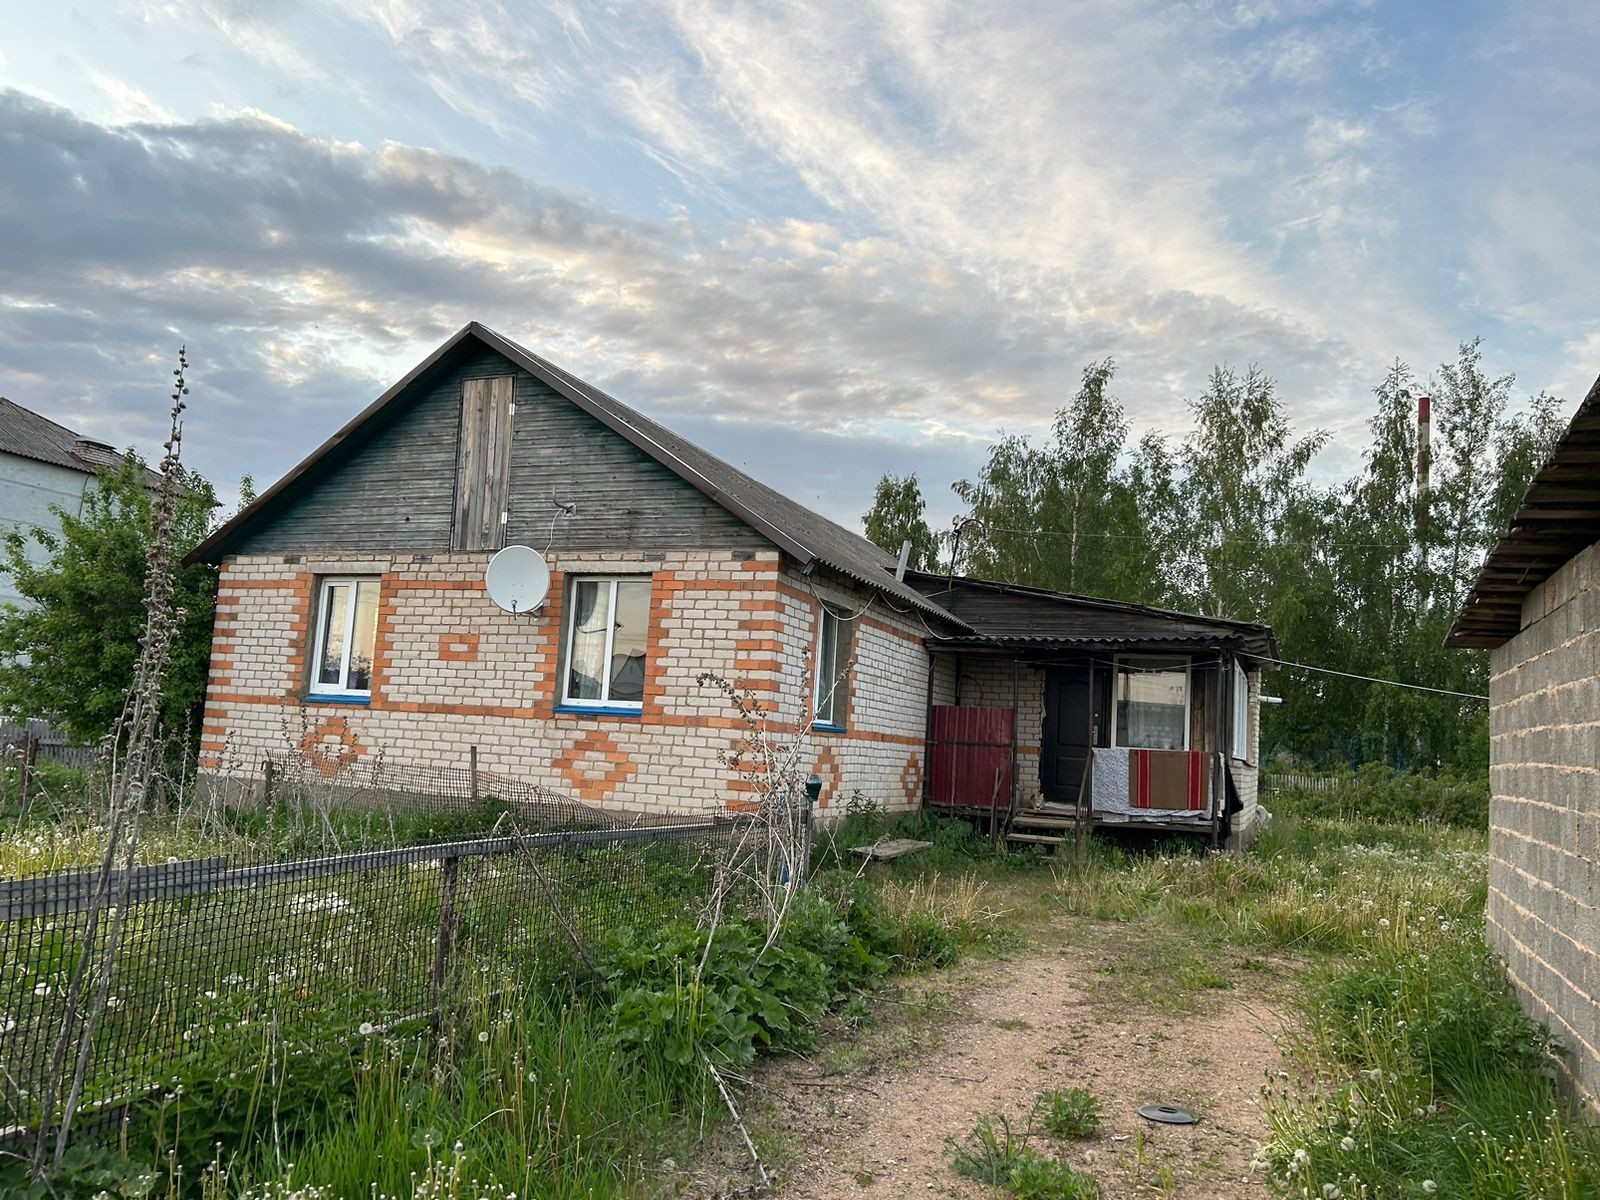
969 757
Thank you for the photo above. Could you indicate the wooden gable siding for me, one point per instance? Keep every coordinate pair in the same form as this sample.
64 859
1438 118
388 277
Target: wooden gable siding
396 491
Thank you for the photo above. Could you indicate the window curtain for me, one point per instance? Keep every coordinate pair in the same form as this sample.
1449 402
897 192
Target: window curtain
586 659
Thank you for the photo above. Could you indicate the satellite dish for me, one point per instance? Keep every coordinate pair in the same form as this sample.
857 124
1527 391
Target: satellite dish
518 579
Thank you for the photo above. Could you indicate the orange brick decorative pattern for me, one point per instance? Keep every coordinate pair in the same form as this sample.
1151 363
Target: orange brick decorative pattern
594 765
911 780
827 768
458 647
331 746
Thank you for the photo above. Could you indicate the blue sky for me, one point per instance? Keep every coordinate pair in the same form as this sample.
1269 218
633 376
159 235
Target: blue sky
823 239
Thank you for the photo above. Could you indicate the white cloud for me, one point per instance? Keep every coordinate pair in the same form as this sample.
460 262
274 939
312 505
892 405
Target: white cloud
874 219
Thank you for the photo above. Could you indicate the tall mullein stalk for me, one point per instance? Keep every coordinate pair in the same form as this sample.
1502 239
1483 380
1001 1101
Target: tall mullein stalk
769 853
137 734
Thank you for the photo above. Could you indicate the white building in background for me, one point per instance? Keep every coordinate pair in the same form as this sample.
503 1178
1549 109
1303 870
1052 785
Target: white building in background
42 464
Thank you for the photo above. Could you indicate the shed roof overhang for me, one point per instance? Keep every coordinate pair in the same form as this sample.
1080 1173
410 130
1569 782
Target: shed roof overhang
1558 518
1038 624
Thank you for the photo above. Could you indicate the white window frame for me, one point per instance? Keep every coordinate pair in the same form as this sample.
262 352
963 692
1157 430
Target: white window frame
829 691
1241 713
604 701
1188 692
325 586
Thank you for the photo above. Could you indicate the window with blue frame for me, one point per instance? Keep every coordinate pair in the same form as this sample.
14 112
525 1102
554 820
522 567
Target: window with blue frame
347 631
607 643
833 670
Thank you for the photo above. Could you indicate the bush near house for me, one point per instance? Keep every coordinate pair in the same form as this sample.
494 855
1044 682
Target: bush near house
68 655
1380 793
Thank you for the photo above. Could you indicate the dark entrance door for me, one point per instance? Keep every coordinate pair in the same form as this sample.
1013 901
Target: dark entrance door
1072 717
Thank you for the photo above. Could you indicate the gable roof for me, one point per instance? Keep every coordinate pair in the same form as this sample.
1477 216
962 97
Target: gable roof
26 434
805 536
1559 516
1028 618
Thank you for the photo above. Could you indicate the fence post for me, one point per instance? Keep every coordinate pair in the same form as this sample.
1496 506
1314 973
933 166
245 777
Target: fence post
266 782
445 940
472 768
30 755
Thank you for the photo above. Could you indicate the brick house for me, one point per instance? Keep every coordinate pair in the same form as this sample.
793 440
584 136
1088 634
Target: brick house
353 620
1536 607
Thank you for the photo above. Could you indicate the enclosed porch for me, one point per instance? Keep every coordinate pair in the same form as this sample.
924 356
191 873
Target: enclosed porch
1067 714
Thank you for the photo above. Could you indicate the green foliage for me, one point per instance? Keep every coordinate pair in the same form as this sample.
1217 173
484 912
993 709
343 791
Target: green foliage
749 996
237 1069
993 1153
897 516
69 654
1034 1177
87 1171
1380 793
988 1151
1068 1113
1436 1076
1227 521
1046 514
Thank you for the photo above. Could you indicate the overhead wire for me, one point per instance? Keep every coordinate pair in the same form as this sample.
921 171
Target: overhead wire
1416 687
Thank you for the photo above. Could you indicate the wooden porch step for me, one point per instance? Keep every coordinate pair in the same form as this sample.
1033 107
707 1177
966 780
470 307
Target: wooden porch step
1035 821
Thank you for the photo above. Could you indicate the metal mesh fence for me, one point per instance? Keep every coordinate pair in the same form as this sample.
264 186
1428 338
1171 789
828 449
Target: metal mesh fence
304 906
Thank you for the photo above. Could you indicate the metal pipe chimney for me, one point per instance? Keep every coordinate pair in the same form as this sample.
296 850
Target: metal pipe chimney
1424 458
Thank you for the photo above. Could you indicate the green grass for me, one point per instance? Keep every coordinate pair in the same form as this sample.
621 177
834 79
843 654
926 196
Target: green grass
1409 1063
995 1154
1067 1113
1418 1074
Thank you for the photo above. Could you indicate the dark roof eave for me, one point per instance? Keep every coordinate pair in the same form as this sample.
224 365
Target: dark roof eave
1559 516
1265 652
1253 638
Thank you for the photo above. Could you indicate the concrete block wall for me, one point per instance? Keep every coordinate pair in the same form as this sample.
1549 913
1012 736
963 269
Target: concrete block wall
1544 820
452 671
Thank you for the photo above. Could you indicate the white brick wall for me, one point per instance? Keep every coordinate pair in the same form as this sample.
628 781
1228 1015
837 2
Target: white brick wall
452 671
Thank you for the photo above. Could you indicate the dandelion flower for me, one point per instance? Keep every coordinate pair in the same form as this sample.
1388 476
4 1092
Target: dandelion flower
1347 1144
1383 923
367 1029
483 1035
1429 1186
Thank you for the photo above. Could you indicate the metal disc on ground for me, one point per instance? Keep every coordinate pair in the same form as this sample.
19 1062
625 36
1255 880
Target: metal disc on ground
1167 1114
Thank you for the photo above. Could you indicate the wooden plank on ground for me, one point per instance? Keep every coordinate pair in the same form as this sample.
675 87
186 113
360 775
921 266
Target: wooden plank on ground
894 848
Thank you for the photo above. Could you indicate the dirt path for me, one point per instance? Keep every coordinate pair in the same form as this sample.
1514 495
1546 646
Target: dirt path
876 1127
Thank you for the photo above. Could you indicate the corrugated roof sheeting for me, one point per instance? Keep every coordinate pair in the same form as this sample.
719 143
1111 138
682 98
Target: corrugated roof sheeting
1011 614
1558 518
26 434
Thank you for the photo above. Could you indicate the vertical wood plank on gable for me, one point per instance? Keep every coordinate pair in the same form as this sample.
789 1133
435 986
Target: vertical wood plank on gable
483 462
497 455
469 492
